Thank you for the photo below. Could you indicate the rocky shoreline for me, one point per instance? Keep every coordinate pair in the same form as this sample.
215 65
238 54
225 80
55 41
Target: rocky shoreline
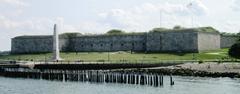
207 69
211 69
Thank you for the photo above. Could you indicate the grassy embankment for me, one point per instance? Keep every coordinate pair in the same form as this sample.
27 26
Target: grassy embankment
122 56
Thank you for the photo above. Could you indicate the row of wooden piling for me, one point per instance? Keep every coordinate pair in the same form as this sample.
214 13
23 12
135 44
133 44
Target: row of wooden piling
95 76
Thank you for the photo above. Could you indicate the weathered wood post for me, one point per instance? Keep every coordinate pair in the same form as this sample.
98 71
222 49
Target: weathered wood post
171 80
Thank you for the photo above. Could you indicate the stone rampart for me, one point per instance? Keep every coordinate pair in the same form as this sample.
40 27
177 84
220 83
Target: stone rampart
172 42
208 41
228 40
188 40
135 42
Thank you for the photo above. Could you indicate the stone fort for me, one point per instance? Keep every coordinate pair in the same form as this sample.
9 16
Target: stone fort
171 40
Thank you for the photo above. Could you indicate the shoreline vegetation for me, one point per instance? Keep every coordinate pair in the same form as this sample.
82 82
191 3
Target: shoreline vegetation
128 56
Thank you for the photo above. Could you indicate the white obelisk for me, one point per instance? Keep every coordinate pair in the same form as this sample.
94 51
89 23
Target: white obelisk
56 56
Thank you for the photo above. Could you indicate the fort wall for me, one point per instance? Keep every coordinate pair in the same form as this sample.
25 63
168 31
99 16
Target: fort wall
228 40
32 44
174 41
134 42
208 41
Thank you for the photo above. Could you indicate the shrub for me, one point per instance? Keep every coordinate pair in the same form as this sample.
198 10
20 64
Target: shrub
234 51
115 31
200 62
100 60
70 35
177 27
219 61
159 29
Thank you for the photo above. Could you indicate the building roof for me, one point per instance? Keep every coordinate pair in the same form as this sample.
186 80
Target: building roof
199 29
67 35
33 36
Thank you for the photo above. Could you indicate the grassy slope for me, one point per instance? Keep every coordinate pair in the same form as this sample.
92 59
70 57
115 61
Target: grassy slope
100 56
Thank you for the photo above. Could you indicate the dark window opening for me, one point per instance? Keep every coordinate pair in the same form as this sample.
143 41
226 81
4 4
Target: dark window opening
101 45
91 45
122 44
143 44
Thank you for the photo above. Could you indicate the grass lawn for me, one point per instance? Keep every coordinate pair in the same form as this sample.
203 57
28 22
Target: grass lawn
117 56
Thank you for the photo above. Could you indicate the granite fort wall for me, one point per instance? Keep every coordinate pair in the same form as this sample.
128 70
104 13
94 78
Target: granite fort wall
111 43
172 42
208 41
35 44
38 44
144 42
31 44
228 40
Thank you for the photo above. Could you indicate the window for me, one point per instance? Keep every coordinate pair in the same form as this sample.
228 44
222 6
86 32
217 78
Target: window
122 44
101 45
91 45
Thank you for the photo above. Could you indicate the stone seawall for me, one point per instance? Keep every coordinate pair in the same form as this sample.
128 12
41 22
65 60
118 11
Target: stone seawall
190 72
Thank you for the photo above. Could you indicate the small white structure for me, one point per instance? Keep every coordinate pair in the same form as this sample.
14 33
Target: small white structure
56 56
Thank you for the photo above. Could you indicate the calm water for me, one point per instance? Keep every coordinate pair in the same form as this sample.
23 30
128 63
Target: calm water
183 85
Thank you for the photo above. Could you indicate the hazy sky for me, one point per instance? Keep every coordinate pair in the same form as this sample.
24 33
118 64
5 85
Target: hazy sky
36 17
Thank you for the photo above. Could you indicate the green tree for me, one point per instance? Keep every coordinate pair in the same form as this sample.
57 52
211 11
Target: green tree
234 51
115 31
238 34
177 27
159 29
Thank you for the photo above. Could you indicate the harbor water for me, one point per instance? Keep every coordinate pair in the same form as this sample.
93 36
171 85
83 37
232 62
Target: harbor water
183 85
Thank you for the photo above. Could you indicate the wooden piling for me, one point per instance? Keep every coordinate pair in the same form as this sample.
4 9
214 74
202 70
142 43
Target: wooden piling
92 76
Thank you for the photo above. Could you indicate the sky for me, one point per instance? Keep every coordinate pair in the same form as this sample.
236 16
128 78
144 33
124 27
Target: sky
37 17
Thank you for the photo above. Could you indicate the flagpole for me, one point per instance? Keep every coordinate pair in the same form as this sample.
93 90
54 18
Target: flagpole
192 20
160 18
191 13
